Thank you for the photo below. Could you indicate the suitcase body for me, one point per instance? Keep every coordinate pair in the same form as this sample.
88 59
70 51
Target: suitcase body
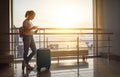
43 58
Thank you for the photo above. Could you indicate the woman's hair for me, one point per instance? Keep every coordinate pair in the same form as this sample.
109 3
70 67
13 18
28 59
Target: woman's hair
29 13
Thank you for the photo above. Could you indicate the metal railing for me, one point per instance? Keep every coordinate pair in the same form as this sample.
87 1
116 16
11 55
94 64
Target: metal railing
45 36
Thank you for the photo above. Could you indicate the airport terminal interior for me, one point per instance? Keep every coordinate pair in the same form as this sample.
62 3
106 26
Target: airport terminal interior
75 51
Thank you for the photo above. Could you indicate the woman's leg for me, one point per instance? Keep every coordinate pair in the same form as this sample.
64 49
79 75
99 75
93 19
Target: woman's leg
33 48
26 41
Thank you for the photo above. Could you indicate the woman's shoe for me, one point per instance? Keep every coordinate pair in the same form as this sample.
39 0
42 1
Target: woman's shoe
29 67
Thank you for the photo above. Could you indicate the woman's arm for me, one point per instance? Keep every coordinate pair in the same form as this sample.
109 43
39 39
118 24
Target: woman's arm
27 28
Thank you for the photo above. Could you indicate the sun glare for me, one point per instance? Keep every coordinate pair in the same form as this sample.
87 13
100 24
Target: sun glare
68 18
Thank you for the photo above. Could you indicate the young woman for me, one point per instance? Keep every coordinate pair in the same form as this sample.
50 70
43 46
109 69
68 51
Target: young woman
28 41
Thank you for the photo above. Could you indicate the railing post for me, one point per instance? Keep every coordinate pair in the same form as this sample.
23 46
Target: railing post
108 47
78 50
47 41
78 56
97 43
44 38
39 39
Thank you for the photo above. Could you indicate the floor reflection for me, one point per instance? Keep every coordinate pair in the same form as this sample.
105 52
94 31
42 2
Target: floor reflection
26 74
45 73
66 68
90 68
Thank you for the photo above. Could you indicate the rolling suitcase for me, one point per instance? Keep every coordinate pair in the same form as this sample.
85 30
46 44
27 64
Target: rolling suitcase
43 58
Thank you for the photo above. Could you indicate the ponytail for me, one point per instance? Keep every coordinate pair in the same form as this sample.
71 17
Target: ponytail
26 14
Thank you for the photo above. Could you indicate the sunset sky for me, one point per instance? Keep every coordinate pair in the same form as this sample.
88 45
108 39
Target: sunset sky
55 13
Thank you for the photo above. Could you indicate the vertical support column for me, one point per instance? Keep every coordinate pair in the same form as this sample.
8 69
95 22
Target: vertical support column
98 23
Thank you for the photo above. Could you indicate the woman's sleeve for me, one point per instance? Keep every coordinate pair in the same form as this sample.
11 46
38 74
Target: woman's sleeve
26 26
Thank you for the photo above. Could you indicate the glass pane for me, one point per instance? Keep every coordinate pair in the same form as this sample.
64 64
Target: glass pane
56 14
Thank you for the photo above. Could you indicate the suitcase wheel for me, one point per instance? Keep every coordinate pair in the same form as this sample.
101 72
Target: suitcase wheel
48 67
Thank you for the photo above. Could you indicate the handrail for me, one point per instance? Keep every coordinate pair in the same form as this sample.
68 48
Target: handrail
66 28
62 33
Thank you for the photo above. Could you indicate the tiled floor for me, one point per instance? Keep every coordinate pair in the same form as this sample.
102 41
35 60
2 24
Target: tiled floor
97 67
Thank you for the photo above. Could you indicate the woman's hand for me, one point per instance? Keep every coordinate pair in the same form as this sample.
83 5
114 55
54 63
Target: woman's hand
35 27
36 31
